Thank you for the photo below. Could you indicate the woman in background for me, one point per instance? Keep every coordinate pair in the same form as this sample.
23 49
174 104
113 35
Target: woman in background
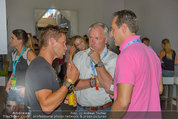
79 44
30 42
168 58
21 57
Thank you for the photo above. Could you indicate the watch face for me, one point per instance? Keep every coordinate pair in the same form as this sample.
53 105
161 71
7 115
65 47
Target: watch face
71 87
100 64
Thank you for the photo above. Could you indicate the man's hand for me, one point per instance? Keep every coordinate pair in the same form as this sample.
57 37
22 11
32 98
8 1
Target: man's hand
72 50
111 96
66 101
72 72
94 55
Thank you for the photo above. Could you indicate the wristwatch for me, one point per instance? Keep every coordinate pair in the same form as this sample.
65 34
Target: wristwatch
68 85
71 87
100 64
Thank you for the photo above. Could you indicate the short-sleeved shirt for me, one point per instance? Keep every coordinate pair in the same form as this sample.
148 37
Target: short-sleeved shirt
139 66
91 96
40 75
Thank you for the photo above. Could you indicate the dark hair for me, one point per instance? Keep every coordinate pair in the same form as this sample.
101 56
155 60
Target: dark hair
86 38
35 38
51 31
127 17
21 35
145 39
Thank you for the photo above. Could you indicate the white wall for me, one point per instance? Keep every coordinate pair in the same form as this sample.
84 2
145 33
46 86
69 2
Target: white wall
158 20
20 13
3 28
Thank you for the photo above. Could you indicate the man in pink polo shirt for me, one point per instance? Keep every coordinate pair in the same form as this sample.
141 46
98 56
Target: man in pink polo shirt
137 79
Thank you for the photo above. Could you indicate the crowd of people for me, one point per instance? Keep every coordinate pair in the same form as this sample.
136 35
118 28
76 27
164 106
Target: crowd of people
101 79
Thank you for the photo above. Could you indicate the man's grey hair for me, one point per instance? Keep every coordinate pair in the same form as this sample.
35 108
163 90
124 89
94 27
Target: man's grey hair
102 25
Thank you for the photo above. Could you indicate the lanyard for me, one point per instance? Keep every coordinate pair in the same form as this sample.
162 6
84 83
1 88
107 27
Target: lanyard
91 62
131 42
16 61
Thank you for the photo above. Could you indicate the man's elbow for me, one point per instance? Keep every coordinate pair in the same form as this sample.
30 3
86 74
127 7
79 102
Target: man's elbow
124 105
160 91
47 110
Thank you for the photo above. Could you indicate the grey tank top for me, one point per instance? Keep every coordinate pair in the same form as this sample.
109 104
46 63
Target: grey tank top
21 67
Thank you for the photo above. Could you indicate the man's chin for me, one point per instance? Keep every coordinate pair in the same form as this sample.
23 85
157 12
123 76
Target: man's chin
116 44
61 57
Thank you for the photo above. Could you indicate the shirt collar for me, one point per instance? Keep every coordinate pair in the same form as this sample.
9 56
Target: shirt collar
126 41
104 51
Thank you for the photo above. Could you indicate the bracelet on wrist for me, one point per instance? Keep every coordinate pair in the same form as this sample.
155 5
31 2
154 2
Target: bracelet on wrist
90 81
70 81
66 84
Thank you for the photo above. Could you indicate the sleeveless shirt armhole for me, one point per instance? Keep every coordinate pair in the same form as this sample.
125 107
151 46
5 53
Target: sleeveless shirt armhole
25 55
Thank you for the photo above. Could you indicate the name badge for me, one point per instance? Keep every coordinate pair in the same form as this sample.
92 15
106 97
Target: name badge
13 82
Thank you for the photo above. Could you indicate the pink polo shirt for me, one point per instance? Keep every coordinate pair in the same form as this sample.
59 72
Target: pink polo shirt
138 65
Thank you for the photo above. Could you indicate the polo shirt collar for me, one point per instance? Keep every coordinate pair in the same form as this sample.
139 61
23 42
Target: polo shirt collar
126 41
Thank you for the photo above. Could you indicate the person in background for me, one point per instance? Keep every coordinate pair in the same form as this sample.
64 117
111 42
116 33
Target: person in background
146 41
168 58
36 44
43 94
79 44
21 57
86 38
137 78
30 42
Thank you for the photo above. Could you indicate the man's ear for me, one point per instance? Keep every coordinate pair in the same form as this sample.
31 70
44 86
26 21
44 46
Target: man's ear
21 41
51 41
106 39
124 28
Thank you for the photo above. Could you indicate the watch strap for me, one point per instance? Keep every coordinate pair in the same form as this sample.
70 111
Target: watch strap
99 64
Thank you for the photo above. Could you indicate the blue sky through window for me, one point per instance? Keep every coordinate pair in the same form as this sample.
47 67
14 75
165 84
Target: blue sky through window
51 13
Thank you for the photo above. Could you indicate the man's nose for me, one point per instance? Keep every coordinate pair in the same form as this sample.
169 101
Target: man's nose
93 41
65 47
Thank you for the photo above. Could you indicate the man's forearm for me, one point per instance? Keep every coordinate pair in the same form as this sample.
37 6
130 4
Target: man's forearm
105 79
51 102
82 84
117 108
